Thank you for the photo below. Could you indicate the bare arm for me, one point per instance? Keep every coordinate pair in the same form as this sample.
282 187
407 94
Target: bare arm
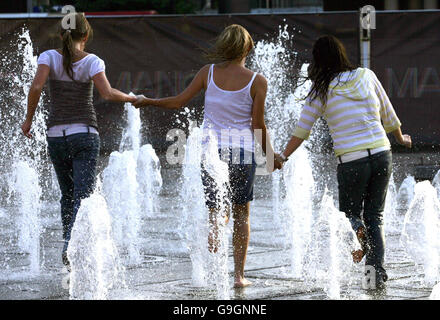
259 92
388 115
176 102
34 97
107 92
293 144
258 122
403 139
311 111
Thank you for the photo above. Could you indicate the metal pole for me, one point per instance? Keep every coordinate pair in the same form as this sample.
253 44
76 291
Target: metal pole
29 6
365 40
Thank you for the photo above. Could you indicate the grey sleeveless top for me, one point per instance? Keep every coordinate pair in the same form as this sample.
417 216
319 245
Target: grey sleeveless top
71 102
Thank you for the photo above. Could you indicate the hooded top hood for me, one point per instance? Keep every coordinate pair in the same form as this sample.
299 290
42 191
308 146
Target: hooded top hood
353 84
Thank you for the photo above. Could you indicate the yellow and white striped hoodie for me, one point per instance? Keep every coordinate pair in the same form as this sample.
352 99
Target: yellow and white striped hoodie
356 104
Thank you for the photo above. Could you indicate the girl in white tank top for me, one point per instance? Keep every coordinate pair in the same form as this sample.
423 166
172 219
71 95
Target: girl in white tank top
229 114
234 111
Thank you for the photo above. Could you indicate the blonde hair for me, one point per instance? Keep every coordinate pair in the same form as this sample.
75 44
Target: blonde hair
233 43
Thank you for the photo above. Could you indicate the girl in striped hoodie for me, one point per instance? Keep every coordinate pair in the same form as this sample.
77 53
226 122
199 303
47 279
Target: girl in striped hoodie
359 115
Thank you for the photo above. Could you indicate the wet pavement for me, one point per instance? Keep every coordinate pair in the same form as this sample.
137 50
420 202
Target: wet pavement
165 269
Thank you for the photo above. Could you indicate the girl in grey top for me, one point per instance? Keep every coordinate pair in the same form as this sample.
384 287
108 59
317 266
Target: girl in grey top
72 136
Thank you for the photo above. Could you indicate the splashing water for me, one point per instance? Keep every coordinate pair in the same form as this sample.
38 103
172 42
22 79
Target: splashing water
93 255
436 183
392 218
295 192
297 213
329 259
435 294
21 65
208 269
130 182
194 215
23 164
120 188
149 179
317 237
276 63
131 139
406 193
421 231
29 208
218 261
273 60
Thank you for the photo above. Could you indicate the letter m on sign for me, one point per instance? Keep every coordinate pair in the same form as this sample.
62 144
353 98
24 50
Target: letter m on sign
407 84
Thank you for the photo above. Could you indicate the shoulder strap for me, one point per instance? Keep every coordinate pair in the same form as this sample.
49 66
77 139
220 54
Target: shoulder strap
210 74
252 81
253 78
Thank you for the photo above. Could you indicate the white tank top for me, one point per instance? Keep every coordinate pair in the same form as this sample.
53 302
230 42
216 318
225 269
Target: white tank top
229 114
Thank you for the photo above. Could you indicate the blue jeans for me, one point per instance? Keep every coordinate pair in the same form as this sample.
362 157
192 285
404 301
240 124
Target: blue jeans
363 186
74 158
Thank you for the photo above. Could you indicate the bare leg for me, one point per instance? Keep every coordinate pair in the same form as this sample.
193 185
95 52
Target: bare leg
213 241
240 241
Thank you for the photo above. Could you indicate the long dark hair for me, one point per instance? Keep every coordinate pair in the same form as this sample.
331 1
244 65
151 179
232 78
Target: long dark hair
329 60
82 30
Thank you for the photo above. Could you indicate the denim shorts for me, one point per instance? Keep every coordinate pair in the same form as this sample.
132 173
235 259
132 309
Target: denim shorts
241 179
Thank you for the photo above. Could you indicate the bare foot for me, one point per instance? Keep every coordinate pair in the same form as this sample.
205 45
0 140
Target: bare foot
357 255
241 282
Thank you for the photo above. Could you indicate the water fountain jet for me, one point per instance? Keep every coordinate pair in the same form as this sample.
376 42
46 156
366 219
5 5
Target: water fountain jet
421 231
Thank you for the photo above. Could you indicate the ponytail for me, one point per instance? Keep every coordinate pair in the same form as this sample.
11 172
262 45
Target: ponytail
81 31
68 53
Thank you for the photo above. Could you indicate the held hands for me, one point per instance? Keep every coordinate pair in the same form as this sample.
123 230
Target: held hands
278 162
141 101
